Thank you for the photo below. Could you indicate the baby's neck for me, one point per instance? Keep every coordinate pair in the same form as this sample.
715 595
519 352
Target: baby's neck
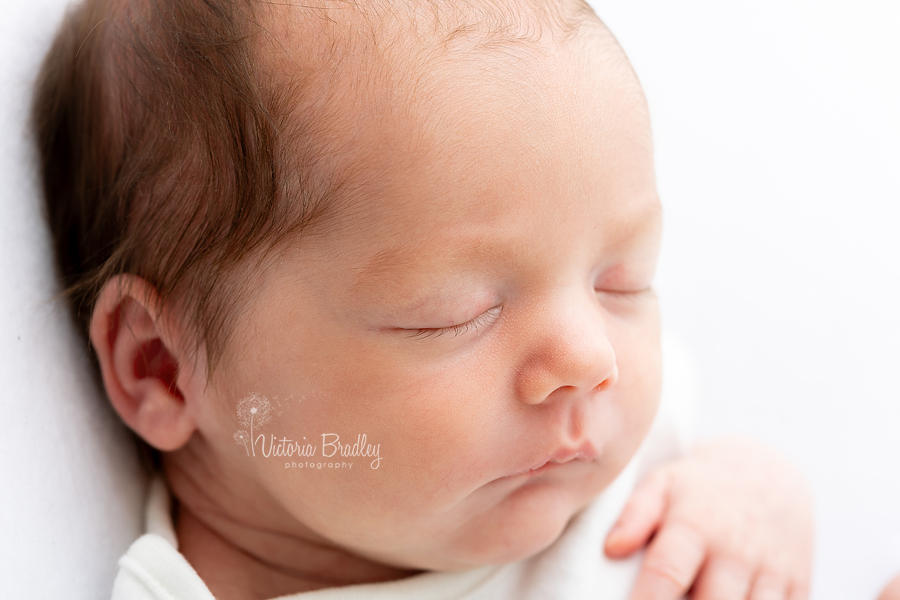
241 561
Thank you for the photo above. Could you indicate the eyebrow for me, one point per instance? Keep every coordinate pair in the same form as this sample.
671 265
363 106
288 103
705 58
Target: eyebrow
399 257
636 223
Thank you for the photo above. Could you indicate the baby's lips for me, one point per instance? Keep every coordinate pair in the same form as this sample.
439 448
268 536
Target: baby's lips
564 454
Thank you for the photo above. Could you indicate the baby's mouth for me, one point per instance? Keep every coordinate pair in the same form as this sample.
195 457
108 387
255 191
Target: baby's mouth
584 452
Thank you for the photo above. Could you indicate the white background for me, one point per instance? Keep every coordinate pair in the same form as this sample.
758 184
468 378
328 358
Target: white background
777 131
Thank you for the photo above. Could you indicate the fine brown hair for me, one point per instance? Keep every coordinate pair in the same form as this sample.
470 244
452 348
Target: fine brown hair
160 153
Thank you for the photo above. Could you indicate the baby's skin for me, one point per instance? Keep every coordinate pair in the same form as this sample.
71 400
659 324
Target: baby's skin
479 306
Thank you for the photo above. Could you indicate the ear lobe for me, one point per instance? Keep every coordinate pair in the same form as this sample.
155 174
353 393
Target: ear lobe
141 363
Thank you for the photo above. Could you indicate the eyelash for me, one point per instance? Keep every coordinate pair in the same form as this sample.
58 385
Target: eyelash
631 295
489 315
482 320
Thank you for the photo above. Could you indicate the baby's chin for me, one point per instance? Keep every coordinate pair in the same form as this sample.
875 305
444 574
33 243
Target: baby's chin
527 522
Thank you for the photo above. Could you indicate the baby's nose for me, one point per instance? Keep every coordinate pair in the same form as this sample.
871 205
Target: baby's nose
568 352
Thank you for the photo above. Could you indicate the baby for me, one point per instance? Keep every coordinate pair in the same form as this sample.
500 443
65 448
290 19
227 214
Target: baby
373 281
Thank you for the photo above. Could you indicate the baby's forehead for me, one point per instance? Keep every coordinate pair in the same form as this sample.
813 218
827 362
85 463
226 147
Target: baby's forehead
481 21
346 68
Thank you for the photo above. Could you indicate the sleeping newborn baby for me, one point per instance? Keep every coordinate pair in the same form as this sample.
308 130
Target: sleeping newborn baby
373 283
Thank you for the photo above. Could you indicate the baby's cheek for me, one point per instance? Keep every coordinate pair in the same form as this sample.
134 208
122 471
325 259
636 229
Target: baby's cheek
421 462
638 353
406 505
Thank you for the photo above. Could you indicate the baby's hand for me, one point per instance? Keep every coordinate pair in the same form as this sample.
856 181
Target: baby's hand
732 521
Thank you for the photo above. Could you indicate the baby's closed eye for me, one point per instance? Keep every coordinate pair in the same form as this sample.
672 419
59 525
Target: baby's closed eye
480 322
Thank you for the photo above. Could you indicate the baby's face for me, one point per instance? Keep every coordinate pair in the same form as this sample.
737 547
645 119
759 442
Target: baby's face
481 314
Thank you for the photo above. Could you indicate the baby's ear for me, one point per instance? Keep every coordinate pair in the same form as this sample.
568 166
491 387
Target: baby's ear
142 361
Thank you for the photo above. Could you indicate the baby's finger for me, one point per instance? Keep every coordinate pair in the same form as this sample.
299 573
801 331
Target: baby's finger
723 579
640 517
769 587
671 564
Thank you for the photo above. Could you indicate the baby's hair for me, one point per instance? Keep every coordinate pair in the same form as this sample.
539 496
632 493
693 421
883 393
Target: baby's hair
178 138
160 154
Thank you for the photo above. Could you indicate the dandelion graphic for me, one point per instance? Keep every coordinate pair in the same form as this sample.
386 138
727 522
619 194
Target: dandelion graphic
254 411
242 437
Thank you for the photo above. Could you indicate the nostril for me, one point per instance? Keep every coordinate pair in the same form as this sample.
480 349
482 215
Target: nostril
609 381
